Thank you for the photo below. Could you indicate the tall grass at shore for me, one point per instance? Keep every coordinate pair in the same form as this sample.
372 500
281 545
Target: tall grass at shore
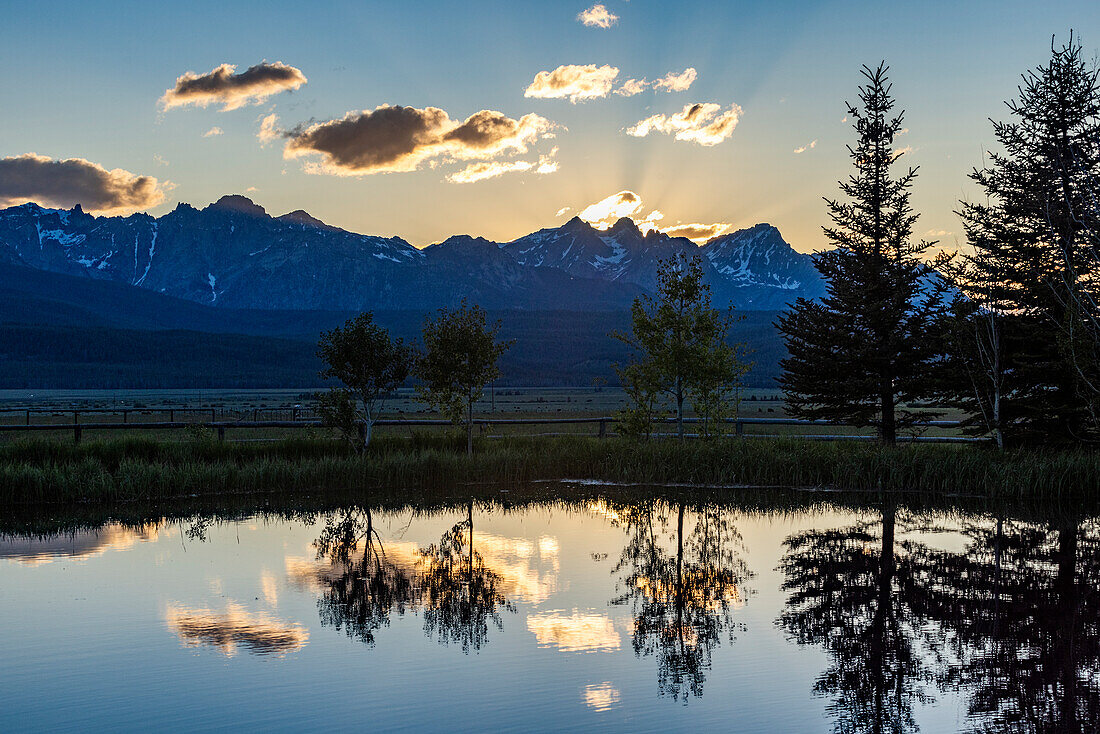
138 469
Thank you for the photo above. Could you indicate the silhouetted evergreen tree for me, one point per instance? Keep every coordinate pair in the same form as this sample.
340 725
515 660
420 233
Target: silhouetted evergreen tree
1034 246
864 350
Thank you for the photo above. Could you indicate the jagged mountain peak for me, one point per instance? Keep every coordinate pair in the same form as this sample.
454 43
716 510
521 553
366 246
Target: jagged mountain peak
300 216
238 203
624 226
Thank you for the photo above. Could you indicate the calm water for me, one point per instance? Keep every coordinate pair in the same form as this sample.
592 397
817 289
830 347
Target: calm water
599 612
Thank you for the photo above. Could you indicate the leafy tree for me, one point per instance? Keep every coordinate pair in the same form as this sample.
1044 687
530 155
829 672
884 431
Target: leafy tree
459 360
361 355
681 348
1035 246
638 417
864 350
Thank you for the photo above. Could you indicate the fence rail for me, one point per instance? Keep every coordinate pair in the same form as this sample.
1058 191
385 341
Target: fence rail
602 423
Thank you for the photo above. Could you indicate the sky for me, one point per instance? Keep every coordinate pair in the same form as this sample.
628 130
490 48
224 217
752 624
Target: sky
427 119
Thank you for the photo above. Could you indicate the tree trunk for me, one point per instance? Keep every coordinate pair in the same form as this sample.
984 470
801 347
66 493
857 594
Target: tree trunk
887 426
470 426
680 408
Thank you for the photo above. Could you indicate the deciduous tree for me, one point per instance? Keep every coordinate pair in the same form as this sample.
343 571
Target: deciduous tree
459 360
362 356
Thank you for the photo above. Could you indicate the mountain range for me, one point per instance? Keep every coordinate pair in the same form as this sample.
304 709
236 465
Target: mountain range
232 254
228 296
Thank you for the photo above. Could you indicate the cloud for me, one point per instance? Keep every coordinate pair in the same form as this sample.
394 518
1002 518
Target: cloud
698 233
392 139
573 82
159 159
597 16
808 146
704 123
72 181
899 152
212 132
563 210
605 212
491 169
631 87
222 86
269 129
236 627
673 82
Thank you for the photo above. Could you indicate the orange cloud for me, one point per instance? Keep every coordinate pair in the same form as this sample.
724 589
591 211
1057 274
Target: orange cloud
704 123
235 627
491 169
673 82
573 82
597 16
392 139
605 212
222 86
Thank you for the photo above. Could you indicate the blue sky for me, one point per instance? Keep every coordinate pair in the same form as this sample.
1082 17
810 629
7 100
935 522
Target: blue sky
85 80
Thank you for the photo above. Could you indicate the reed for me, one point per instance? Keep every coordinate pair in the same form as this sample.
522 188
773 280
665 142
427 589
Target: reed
43 471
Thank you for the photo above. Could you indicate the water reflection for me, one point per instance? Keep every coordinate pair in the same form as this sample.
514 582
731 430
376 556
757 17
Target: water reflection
460 596
257 633
80 544
360 592
1019 609
449 583
852 594
682 585
901 614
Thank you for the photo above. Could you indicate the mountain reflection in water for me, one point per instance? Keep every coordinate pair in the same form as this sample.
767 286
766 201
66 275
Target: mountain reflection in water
864 613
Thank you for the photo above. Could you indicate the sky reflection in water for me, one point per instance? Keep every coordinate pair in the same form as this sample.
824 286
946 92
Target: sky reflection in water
594 614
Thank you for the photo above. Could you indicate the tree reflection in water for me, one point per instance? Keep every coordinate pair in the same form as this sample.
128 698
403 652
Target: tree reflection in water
1020 611
460 596
361 593
683 597
449 583
850 593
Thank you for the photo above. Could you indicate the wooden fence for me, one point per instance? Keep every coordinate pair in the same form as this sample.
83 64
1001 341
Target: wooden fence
303 418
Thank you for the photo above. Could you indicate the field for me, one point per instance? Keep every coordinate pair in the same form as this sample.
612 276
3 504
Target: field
66 407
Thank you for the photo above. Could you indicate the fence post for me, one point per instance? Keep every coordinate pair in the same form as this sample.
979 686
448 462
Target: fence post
603 429
28 417
213 416
362 434
221 433
739 427
171 416
125 416
76 433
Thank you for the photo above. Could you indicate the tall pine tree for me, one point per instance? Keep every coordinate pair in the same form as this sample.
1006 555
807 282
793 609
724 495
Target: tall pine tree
858 355
1034 248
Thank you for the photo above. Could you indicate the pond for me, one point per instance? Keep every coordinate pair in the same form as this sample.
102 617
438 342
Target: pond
558 608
